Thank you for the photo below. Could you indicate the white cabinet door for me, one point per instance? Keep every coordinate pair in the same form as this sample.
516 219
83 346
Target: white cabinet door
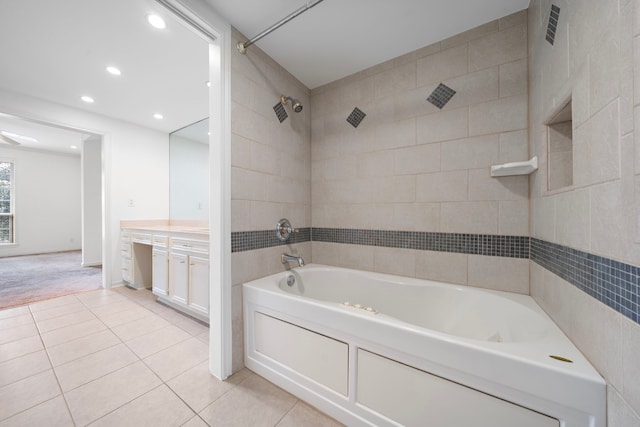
199 284
160 272
178 277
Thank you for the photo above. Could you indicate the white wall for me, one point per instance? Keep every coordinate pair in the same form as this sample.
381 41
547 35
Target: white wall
47 202
91 181
136 165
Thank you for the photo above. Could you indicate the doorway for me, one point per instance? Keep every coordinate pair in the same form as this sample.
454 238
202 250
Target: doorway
54 198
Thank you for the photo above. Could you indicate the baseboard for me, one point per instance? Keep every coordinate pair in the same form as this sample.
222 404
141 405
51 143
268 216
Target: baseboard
92 264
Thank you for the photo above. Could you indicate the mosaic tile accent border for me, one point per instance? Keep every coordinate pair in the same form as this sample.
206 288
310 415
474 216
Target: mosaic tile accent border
611 282
476 244
250 240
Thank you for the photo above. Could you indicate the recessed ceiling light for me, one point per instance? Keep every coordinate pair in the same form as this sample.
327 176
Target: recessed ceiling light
75 147
158 116
87 99
208 84
156 21
114 70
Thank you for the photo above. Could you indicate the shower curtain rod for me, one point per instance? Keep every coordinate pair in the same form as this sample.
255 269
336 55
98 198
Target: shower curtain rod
242 46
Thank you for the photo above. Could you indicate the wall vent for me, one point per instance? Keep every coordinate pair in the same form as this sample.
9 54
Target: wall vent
441 95
553 23
280 112
356 116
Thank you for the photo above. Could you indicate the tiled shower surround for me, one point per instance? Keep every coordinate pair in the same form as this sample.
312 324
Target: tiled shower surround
411 167
408 191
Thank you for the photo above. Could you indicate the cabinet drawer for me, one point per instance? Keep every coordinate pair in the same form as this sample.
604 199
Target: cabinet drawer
161 241
126 235
141 238
199 246
126 270
126 250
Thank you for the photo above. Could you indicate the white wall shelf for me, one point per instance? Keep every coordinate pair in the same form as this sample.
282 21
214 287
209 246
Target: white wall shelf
515 168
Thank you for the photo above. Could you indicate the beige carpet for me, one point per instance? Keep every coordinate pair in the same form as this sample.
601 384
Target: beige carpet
30 278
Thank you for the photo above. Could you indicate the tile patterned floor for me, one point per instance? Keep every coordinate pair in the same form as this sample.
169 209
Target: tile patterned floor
118 358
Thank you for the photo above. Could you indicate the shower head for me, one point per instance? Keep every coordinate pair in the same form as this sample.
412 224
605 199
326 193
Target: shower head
296 105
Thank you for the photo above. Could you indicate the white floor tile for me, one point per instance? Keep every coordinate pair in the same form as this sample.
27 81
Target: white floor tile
52 413
18 348
26 393
153 342
139 327
23 367
16 311
81 347
97 398
93 366
178 358
58 311
65 320
254 402
12 322
72 332
198 388
106 383
18 332
159 407
51 303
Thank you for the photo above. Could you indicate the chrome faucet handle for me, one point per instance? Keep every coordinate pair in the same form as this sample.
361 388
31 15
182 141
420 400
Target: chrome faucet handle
284 230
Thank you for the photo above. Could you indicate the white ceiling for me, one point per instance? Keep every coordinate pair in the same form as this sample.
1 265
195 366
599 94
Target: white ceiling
47 138
58 50
337 38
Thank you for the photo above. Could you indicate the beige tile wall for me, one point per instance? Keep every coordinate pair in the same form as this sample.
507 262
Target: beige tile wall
596 61
270 168
411 166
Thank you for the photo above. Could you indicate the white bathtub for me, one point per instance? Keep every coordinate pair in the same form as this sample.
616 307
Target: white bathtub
414 352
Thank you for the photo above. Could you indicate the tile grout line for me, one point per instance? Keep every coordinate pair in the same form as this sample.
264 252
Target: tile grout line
138 358
55 375
165 383
287 413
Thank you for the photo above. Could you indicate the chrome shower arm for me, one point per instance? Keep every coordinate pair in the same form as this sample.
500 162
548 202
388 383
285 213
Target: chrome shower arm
242 46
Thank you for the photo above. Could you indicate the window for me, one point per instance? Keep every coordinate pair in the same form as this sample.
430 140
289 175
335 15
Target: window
6 203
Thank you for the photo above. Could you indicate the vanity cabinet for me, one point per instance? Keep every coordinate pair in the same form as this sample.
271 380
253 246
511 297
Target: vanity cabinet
174 264
189 275
136 259
125 246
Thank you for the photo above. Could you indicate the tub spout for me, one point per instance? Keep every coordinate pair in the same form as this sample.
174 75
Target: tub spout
285 258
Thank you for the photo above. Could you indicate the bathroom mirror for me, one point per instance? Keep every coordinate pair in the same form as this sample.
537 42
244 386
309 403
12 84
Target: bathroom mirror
189 172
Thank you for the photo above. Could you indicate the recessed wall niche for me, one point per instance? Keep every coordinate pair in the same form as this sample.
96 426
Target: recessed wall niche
560 149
